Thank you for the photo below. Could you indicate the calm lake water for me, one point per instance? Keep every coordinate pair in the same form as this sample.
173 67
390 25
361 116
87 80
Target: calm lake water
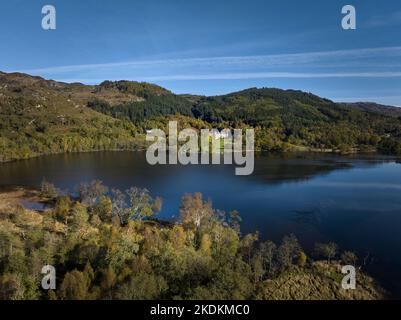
354 200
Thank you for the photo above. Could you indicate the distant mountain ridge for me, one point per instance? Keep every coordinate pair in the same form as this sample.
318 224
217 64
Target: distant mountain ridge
386 110
41 116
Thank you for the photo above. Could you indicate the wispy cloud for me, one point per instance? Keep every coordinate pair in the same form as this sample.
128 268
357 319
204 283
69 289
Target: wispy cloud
263 75
382 63
246 75
274 60
385 20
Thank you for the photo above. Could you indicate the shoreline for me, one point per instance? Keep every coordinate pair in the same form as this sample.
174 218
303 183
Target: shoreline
297 150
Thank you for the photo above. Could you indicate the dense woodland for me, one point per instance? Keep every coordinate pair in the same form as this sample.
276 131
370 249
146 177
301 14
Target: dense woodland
40 116
108 244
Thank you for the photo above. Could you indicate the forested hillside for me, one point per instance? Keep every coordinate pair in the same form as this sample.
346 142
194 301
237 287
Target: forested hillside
43 116
286 119
40 117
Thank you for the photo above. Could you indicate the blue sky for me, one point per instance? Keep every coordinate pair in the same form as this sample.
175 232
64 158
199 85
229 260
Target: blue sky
212 47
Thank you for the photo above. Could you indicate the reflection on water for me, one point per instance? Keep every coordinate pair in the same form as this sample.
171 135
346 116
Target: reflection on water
32 205
354 200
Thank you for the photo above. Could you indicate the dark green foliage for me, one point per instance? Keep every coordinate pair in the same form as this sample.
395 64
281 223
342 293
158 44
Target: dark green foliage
390 146
138 111
138 89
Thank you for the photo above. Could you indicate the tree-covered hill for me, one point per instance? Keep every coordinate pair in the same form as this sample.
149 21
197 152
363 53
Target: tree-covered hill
287 119
39 116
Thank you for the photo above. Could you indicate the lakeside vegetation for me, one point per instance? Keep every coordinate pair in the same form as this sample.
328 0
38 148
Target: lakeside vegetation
108 244
40 116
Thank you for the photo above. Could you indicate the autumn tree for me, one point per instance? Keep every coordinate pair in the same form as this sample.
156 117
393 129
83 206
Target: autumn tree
142 286
74 286
177 237
11 287
267 251
327 250
287 251
141 204
257 267
90 193
48 190
247 245
79 217
119 206
302 259
205 245
104 209
62 208
349 257
194 211
108 282
235 220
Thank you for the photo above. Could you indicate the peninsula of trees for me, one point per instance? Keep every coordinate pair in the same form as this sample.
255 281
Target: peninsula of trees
108 244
